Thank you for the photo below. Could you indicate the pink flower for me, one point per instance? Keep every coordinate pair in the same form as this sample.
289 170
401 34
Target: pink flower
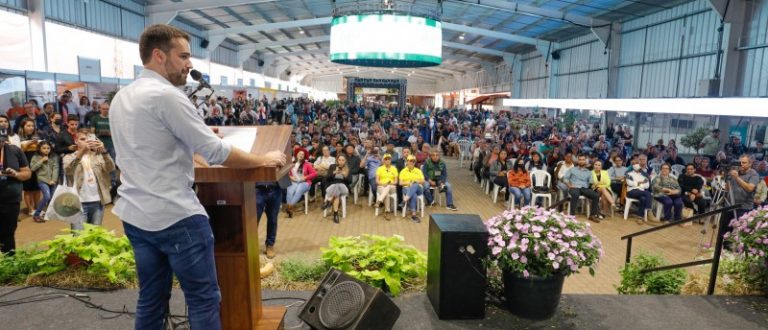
556 265
523 259
515 256
496 251
551 256
525 273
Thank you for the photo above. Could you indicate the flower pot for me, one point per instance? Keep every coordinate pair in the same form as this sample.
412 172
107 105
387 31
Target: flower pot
535 297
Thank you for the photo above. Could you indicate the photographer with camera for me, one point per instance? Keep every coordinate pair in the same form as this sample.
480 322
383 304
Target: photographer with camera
742 182
13 170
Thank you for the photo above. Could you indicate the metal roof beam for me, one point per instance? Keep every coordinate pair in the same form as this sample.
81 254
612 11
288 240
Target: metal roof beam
285 42
270 26
541 12
474 49
327 20
198 4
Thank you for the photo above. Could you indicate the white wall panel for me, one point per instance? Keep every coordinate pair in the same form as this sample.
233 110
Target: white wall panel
755 63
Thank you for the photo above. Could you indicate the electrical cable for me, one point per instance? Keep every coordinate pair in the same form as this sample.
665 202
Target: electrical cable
175 321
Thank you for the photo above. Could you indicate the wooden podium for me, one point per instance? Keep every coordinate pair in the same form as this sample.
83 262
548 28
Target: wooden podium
229 197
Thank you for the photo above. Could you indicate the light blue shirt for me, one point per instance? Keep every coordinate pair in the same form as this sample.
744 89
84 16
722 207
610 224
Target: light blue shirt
579 177
156 130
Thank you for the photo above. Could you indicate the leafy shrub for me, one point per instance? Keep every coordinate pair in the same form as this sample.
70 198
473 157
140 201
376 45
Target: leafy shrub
693 140
15 269
743 275
103 253
634 281
301 270
383 262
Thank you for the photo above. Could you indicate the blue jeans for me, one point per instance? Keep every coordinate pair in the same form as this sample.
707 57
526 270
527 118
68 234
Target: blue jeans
668 202
93 213
295 191
269 200
644 197
448 193
186 250
48 191
524 193
412 192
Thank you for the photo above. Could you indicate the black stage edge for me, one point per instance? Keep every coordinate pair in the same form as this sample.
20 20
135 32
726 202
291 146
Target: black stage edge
575 312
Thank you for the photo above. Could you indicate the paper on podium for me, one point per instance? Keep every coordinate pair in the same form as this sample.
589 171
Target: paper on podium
239 138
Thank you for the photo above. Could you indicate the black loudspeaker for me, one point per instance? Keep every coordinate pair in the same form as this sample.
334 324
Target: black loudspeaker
288 73
456 277
556 55
204 43
261 63
343 302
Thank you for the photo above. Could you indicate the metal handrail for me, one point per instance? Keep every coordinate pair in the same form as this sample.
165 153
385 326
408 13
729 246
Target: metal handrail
715 261
672 224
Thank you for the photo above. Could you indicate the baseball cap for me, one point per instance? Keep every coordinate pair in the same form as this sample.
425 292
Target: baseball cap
411 157
387 156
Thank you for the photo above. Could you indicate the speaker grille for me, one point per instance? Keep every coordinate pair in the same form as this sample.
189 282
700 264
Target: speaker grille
341 305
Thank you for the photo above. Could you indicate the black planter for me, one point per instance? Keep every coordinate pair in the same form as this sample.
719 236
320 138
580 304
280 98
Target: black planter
534 298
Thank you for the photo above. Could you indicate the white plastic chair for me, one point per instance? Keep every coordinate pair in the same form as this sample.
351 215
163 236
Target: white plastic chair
357 188
465 147
678 169
306 202
627 203
343 208
419 205
437 195
540 179
393 204
496 190
587 206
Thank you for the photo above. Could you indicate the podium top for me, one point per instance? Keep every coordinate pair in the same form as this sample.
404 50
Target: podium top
268 138
459 223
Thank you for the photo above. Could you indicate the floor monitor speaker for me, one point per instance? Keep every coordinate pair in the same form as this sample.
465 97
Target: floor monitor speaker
344 302
456 277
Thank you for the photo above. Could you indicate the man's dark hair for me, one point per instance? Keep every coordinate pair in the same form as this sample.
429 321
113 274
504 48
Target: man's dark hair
72 117
158 36
716 130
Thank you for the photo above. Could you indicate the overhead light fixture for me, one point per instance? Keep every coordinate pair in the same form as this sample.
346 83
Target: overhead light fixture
461 36
736 106
301 31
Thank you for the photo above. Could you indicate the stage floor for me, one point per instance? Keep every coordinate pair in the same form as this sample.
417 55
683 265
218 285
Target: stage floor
306 234
575 312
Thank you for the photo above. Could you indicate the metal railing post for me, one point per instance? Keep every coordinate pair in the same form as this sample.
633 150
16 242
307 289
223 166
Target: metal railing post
721 229
629 250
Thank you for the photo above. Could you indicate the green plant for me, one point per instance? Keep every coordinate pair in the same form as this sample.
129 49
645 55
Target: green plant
383 262
302 270
743 274
15 269
102 252
634 281
541 242
693 140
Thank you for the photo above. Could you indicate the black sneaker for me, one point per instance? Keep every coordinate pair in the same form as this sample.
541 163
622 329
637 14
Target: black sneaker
336 217
326 205
452 207
415 219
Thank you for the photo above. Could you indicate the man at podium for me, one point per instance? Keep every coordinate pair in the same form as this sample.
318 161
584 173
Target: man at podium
156 131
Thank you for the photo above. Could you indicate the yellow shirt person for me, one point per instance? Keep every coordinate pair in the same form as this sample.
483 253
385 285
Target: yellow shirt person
386 175
410 175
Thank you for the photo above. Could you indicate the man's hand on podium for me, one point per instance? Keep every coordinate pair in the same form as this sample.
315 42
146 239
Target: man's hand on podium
274 158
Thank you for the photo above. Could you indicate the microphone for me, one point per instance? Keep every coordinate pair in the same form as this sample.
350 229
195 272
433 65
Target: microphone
197 76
